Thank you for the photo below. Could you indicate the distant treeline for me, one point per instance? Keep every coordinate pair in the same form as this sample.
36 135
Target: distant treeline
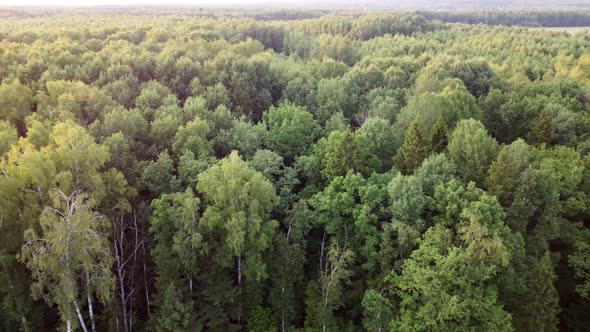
555 18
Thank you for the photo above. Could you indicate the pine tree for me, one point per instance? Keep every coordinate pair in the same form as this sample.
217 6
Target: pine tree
415 148
542 302
439 136
541 130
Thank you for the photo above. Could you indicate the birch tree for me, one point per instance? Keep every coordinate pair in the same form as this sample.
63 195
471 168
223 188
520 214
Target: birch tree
70 258
239 201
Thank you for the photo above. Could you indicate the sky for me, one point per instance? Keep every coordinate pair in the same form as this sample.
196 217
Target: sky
111 2
431 4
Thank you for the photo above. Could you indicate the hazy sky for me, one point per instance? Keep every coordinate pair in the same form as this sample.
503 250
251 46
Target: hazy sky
431 4
114 2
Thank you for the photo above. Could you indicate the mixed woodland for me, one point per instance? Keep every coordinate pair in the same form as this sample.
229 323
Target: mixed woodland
169 170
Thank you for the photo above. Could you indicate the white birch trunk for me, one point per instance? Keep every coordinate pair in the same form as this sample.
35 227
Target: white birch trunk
80 318
69 321
89 296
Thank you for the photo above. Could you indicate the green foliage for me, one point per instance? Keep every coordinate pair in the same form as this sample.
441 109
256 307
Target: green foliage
72 99
535 210
71 254
259 321
377 311
512 160
343 151
542 302
472 150
451 101
217 95
193 137
439 136
370 196
243 137
8 136
434 287
286 270
382 138
177 240
268 163
17 102
239 204
291 130
153 95
158 176
129 123
406 199
541 130
436 169
174 313
415 148
351 207
580 261
325 295
175 223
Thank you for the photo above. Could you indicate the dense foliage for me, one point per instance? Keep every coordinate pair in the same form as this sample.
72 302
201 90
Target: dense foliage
337 173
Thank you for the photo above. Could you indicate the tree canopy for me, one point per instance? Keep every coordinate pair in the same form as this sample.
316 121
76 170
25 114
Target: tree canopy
210 169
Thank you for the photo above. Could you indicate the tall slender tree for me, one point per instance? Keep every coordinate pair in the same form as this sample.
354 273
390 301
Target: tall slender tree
239 201
541 306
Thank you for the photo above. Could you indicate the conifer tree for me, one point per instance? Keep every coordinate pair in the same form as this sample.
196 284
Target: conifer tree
542 303
415 148
439 136
541 130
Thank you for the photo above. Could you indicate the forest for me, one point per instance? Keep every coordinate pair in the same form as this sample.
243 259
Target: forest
172 170
530 18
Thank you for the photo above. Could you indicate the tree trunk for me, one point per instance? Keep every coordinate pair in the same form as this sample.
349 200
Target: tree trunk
133 269
145 283
240 286
69 321
283 309
122 296
80 318
118 234
240 274
90 310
